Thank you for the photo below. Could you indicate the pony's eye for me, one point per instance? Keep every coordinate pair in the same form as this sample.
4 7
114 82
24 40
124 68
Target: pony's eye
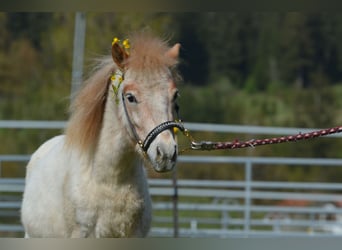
131 98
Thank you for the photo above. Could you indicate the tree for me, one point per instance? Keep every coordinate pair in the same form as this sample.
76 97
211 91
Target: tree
194 54
29 25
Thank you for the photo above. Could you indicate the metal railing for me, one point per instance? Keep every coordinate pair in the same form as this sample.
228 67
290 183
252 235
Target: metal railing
249 207
218 208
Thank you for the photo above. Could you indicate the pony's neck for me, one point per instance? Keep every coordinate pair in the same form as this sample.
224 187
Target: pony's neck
115 159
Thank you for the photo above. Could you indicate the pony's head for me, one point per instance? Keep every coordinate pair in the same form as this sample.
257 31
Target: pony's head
139 85
145 91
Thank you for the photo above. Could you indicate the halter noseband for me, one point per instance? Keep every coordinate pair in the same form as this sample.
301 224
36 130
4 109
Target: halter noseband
157 130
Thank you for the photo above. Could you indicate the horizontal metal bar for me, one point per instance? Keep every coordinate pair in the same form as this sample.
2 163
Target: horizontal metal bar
260 160
10 204
191 192
11 188
240 208
12 184
248 129
253 222
28 124
228 233
15 158
242 184
296 185
11 228
19 181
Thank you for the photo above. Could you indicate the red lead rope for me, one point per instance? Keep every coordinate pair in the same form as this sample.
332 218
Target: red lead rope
208 145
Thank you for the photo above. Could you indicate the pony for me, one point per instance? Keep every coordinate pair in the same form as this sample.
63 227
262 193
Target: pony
91 181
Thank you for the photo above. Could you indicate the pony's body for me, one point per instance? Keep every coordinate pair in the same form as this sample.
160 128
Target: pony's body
91 181
68 206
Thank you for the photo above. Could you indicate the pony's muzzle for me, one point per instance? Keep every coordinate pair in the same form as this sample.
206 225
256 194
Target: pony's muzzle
163 154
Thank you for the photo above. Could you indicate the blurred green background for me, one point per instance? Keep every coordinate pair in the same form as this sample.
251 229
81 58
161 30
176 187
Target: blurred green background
267 69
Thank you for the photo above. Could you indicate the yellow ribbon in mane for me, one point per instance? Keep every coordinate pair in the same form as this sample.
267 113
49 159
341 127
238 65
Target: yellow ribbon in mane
116 79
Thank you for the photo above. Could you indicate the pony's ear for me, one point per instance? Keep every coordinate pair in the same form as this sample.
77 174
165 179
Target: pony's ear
174 51
119 55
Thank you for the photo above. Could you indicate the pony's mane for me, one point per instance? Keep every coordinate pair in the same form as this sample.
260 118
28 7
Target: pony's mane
148 52
87 110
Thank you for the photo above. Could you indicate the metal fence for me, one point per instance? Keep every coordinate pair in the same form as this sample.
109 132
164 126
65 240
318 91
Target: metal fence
251 208
218 208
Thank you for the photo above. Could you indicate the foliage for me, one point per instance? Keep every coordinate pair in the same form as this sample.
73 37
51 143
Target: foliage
272 69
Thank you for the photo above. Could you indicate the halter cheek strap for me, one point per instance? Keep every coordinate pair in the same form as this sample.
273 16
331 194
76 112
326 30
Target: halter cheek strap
116 80
130 123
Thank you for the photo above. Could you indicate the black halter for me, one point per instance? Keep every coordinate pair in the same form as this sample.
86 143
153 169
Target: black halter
154 132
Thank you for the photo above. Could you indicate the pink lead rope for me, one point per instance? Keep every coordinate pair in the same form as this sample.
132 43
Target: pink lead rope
208 145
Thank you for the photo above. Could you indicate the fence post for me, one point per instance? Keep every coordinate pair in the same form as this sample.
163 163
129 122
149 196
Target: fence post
248 179
77 62
175 202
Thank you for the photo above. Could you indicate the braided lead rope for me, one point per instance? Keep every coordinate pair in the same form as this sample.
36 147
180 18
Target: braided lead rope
209 145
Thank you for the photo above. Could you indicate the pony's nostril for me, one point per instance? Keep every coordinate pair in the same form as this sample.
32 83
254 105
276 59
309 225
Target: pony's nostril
158 152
